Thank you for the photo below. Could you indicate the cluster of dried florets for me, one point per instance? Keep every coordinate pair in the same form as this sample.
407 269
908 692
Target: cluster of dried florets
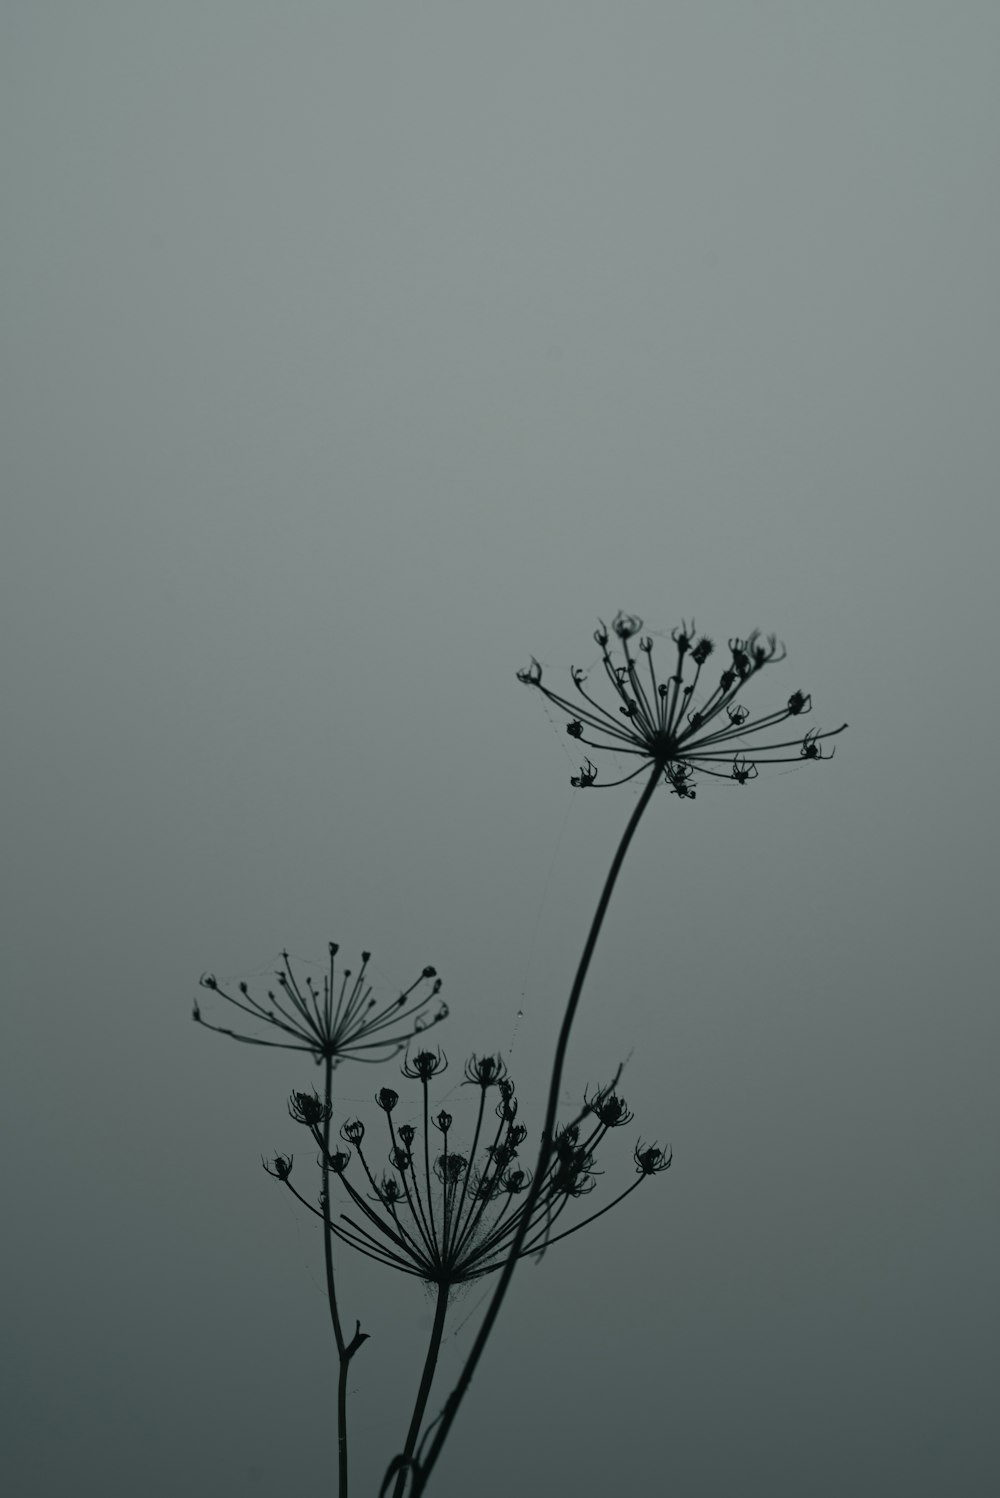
341 1020
678 724
448 1216
422 1204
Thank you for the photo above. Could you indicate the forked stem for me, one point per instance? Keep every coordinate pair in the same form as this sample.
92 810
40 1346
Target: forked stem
422 1470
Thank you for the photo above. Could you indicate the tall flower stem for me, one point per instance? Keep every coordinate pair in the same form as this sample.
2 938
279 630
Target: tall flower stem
422 1472
426 1379
345 1350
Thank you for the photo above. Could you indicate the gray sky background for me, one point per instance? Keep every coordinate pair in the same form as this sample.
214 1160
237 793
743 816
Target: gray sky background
352 354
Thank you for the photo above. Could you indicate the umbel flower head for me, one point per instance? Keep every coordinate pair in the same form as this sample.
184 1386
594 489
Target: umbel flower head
447 1215
342 1020
681 722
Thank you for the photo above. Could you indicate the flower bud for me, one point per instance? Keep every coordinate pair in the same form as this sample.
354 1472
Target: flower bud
485 1071
280 1167
650 1159
425 1064
308 1108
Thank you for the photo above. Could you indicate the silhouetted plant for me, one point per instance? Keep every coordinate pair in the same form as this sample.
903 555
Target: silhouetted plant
673 735
652 717
436 1213
448 1217
342 1021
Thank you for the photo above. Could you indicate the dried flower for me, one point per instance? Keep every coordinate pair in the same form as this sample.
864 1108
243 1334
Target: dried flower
650 1159
485 1071
667 723
448 1217
425 1064
609 1108
309 1108
341 1021
280 1167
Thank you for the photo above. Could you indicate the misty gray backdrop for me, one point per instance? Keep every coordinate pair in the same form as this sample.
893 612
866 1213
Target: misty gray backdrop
352 354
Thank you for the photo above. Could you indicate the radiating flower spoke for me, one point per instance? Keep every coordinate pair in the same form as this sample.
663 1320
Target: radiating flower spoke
339 1021
453 1217
655 718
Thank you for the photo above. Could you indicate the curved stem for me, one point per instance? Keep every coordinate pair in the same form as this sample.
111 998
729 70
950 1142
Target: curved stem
427 1378
345 1350
545 1154
331 1292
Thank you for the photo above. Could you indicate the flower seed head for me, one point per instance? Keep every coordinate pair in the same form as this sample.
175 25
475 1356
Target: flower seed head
507 1107
610 1109
651 1160
450 1168
626 625
425 1064
501 1154
336 1018
389 1190
309 1108
448 1217
280 1167
676 721
485 1071
586 777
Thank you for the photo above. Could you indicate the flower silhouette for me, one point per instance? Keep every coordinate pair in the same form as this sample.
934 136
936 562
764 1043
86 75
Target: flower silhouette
448 1216
342 1021
678 723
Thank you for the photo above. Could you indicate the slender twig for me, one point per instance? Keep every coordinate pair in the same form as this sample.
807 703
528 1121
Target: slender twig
422 1471
345 1350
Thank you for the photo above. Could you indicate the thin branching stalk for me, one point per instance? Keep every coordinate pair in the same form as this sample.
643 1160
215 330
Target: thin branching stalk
345 1350
469 1211
333 1021
423 1470
657 722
